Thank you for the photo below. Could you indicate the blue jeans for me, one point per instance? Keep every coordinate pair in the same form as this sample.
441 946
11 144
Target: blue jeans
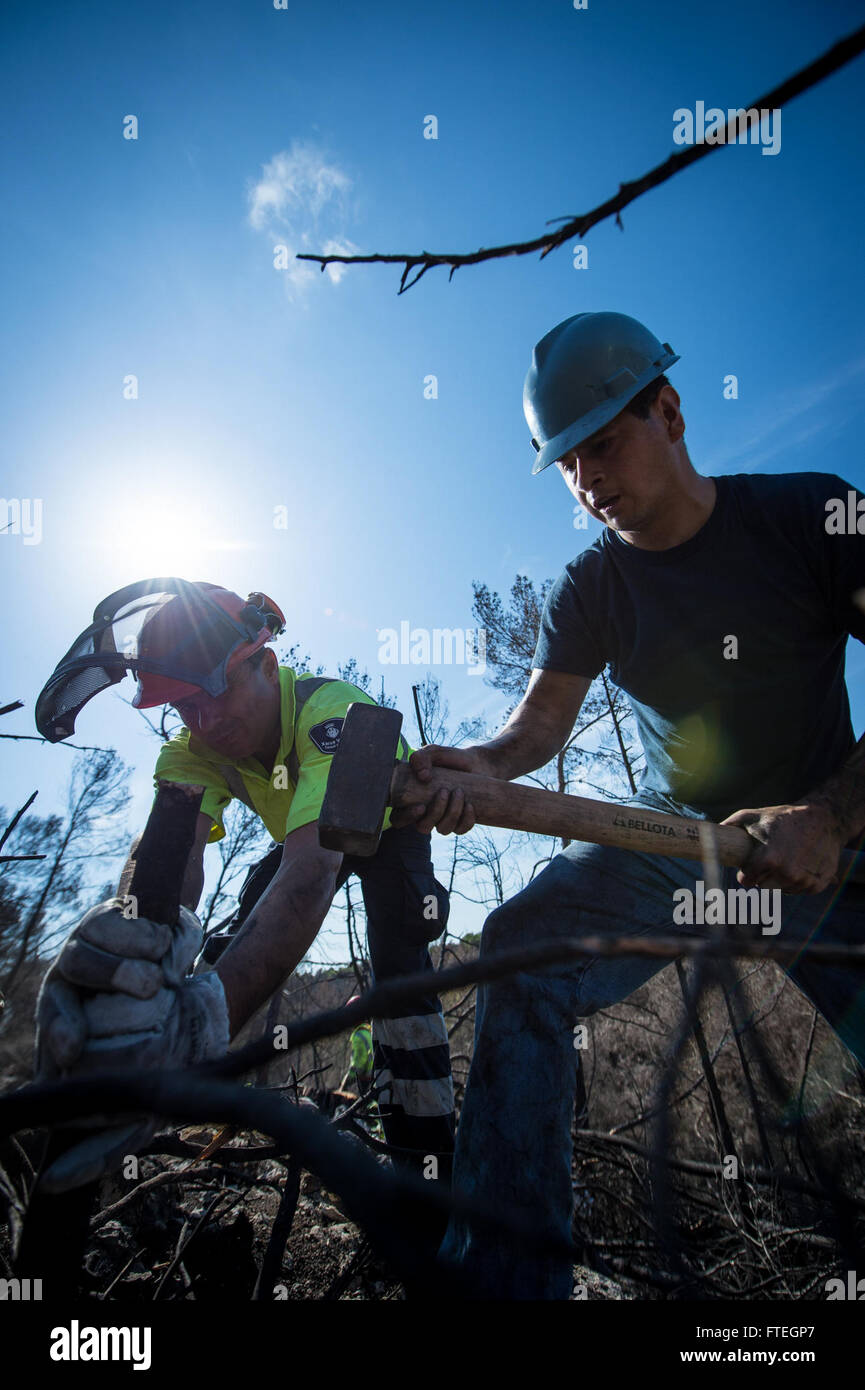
514 1138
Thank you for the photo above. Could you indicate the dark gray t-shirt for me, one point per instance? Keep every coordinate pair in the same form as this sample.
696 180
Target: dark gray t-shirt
723 732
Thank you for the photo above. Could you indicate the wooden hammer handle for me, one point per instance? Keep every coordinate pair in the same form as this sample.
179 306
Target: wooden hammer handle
163 852
514 806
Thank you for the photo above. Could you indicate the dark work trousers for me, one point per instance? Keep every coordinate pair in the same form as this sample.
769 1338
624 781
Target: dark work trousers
514 1149
406 908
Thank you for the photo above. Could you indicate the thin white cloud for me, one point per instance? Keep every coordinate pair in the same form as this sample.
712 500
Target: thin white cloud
338 246
301 202
786 429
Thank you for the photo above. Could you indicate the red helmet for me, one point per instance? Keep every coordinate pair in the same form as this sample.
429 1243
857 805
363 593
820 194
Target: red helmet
177 638
182 629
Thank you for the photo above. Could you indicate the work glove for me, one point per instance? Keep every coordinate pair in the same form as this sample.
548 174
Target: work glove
117 997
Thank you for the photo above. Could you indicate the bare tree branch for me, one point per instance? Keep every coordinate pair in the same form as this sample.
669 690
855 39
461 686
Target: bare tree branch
376 1002
422 261
12 824
34 738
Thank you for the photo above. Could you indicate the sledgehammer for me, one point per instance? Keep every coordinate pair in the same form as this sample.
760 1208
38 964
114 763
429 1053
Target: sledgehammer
364 780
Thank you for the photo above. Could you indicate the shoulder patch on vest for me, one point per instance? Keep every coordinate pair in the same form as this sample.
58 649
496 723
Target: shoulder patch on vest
325 736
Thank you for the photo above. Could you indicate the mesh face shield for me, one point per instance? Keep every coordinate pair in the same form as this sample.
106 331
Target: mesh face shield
167 627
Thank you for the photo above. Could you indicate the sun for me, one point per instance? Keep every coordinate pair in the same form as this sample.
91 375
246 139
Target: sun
171 536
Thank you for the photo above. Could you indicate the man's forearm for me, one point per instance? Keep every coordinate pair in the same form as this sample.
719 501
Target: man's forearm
843 795
274 939
525 743
193 884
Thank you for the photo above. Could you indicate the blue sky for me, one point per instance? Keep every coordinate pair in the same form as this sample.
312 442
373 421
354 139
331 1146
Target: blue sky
262 388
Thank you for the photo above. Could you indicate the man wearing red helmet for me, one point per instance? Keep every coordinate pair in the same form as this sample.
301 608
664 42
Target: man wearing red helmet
255 731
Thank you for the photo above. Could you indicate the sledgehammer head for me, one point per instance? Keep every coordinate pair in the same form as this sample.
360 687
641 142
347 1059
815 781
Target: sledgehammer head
358 784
